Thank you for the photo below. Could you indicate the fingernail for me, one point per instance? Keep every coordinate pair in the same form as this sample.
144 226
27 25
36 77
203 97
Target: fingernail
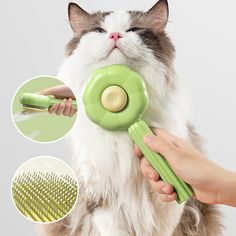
165 189
170 196
149 175
149 138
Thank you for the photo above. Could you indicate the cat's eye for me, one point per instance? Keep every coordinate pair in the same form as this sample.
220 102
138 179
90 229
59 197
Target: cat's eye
99 30
134 29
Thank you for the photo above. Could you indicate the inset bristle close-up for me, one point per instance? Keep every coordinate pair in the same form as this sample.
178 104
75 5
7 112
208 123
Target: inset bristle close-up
44 197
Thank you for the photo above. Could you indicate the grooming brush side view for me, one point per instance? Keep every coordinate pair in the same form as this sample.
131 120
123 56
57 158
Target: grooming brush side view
31 101
44 109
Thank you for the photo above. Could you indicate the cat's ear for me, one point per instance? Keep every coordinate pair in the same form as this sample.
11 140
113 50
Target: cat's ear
77 17
159 14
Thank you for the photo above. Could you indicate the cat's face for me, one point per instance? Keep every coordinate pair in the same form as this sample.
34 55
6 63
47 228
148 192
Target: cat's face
130 36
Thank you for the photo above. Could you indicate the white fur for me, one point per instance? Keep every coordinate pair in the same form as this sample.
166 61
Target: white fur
104 161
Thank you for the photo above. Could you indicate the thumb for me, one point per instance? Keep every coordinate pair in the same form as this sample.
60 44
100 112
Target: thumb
161 145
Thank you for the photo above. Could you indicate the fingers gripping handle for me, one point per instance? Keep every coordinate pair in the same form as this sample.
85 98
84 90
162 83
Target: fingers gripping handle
137 131
54 101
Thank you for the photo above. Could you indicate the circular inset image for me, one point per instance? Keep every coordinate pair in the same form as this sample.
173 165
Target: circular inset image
44 189
44 109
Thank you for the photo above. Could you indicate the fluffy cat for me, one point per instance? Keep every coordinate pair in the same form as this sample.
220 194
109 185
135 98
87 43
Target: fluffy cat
114 198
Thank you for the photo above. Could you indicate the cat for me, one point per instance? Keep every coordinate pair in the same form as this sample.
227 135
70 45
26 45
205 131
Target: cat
114 198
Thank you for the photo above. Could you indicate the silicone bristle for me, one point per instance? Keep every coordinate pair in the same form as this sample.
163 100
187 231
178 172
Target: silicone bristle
44 197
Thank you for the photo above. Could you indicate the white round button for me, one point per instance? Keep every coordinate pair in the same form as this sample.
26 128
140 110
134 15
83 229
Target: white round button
114 98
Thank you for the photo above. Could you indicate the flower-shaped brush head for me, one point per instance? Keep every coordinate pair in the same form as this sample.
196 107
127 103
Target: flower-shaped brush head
115 97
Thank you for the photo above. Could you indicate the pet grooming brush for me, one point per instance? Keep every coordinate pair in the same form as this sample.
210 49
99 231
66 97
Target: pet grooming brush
44 197
32 101
116 98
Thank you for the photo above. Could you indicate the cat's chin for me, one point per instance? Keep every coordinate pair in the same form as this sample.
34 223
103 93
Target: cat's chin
116 57
117 51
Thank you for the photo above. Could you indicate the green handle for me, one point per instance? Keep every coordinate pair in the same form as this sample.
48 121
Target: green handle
137 131
41 101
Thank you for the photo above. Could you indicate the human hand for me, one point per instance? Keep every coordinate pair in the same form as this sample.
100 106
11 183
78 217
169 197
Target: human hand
211 183
65 107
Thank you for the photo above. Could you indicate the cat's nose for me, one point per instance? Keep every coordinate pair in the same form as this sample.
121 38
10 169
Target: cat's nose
115 36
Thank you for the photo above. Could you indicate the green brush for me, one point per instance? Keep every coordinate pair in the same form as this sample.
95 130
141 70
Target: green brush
44 197
116 98
34 101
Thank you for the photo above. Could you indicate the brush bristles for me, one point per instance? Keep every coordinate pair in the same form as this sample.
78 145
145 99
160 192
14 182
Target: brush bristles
44 197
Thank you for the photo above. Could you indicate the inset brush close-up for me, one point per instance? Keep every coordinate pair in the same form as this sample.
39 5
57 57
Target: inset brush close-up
44 189
40 112
44 197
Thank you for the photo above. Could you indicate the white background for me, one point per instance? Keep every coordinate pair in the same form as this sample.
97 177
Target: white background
33 35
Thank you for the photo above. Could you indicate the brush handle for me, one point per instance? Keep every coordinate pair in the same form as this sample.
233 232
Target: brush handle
184 191
41 101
